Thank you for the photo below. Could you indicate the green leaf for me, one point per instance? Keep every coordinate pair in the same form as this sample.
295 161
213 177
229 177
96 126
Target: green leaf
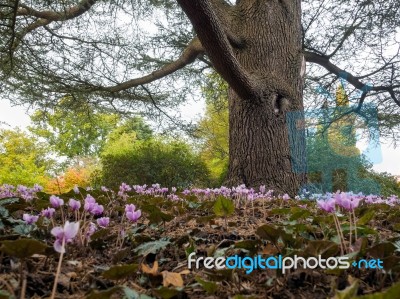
6 295
392 293
322 247
166 293
152 247
349 292
155 215
382 250
120 271
223 207
282 211
208 286
268 232
23 229
221 275
367 217
298 213
391 263
3 212
396 227
250 245
132 294
205 219
103 294
6 201
23 248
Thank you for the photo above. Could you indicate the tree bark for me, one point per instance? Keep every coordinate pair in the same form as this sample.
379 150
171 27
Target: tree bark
256 46
260 151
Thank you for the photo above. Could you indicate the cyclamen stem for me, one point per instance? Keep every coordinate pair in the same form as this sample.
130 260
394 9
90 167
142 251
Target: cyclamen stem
62 214
339 235
53 292
355 225
350 228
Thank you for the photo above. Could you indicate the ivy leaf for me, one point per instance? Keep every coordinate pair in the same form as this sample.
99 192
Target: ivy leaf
348 292
268 232
120 271
392 293
106 294
6 295
223 207
166 293
23 248
155 215
6 201
382 250
209 286
368 216
151 247
23 229
321 247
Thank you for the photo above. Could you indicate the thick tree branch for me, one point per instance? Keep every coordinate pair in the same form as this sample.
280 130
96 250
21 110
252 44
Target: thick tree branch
70 13
324 61
216 43
189 55
223 11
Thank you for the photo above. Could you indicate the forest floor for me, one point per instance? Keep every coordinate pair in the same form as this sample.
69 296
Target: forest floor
149 258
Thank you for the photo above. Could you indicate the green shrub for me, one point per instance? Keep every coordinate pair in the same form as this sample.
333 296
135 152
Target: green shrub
169 163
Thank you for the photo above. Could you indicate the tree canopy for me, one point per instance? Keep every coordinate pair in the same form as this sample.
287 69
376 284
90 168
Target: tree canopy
114 53
83 130
23 160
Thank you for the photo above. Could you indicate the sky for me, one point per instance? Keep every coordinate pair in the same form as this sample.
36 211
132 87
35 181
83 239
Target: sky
16 116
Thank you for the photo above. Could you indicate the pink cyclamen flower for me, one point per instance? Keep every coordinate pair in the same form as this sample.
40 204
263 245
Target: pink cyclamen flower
134 216
97 209
64 235
48 213
89 203
103 221
30 219
56 202
327 205
131 214
130 208
74 204
91 229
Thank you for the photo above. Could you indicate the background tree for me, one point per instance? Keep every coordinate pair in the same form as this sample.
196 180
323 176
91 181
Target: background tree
213 129
71 177
95 51
23 160
74 129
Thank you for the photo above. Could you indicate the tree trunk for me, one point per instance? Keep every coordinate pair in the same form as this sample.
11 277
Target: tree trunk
260 152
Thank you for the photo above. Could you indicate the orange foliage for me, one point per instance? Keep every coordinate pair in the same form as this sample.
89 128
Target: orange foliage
66 181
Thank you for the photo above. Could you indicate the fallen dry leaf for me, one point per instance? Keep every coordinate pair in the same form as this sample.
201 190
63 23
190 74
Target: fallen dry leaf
171 278
148 270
